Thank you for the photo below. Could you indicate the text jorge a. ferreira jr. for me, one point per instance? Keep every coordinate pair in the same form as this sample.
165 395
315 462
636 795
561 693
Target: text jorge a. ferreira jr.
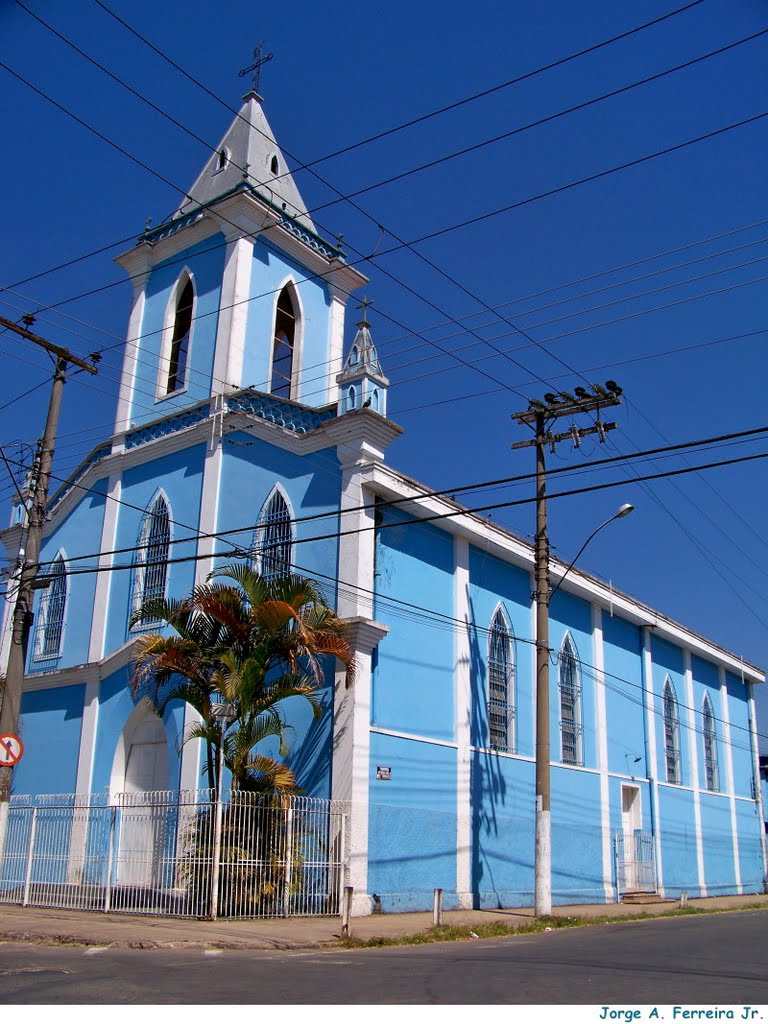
674 1013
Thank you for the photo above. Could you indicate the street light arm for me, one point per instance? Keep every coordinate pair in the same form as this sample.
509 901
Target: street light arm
623 511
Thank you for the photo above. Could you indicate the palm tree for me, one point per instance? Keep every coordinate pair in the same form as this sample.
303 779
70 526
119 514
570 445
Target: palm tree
252 643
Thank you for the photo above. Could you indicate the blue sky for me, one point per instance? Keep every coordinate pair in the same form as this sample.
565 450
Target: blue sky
655 275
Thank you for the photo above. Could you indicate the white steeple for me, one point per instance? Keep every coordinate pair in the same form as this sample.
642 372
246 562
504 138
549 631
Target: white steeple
362 384
248 154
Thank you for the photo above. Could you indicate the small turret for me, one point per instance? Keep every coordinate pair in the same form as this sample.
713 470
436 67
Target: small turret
362 385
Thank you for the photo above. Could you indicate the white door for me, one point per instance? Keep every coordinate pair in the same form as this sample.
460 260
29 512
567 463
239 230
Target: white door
631 823
142 818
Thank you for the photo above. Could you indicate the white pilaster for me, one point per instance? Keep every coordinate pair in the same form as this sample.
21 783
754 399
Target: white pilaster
352 704
695 783
139 274
463 704
233 314
209 505
601 728
756 775
725 714
335 342
649 707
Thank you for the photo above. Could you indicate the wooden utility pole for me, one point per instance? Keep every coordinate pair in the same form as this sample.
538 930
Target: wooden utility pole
29 554
540 416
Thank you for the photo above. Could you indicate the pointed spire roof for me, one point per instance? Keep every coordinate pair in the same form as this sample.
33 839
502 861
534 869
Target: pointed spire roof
363 359
248 152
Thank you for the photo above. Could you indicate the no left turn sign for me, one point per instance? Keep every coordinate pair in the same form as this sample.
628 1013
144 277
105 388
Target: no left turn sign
11 750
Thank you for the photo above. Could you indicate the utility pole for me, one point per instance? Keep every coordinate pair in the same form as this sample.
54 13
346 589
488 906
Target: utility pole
29 554
540 416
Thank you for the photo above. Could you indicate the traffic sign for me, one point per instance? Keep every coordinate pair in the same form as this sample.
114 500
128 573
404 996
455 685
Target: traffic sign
11 750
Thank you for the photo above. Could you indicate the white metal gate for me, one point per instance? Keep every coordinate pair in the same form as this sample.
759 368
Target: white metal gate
152 853
635 858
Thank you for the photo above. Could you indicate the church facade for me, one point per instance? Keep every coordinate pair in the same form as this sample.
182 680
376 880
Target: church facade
243 431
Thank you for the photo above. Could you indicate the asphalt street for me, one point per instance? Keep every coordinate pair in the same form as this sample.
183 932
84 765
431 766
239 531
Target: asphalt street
718 959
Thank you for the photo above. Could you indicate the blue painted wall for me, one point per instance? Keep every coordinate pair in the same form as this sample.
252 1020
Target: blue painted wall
206 263
412 823
717 844
622 647
412 688
741 747
78 533
678 840
50 730
748 826
503 804
271 270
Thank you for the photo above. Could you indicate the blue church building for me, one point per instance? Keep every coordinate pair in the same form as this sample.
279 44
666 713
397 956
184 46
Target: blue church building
258 436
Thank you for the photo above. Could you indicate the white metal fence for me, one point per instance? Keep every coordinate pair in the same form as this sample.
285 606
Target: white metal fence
154 853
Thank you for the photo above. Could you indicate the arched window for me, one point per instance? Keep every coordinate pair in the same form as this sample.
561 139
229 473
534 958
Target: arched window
710 746
274 165
282 350
570 705
274 538
53 605
501 685
151 566
671 735
182 325
222 161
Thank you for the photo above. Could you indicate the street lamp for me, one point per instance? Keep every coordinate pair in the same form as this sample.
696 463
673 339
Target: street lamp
624 510
543 834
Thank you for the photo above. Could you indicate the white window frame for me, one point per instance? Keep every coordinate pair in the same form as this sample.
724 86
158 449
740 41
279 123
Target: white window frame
298 336
258 547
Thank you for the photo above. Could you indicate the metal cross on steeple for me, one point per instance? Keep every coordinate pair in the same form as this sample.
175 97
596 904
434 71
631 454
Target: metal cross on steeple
364 304
258 60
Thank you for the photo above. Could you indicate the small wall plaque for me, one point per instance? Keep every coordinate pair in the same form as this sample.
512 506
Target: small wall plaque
383 772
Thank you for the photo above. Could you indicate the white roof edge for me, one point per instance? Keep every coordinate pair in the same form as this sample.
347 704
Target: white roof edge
389 483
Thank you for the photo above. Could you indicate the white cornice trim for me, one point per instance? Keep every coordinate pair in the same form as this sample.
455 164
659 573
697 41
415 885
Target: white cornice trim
387 483
90 672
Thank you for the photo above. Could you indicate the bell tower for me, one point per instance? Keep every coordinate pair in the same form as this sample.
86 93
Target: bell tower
362 384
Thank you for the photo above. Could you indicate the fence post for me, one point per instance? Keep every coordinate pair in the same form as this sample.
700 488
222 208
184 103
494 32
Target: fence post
342 859
346 911
217 839
437 908
110 859
288 859
30 851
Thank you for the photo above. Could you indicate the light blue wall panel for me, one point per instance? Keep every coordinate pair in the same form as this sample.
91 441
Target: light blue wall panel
413 688
50 730
678 841
271 271
493 582
412 823
741 747
717 844
577 864
749 829
623 652
250 469
180 476
78 533
668 663
569 614
503 803
206 263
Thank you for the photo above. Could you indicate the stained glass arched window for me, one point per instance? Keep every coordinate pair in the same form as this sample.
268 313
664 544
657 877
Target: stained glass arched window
53 606
283 345
501 684
711 773
671 735
569 681
179 348
151 564
274 537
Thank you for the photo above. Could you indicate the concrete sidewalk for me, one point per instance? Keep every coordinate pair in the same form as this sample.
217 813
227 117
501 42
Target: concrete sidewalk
39 925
